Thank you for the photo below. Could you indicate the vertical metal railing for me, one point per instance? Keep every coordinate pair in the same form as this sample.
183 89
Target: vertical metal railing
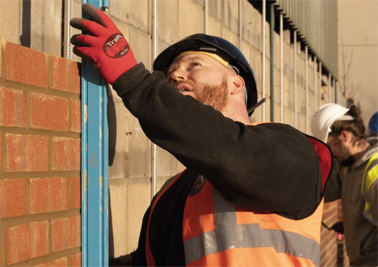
329 86
240 24
205 15
320 83
67 29
154 153
295 82
306 89
281 69
315 84
271 33
94 169
263 56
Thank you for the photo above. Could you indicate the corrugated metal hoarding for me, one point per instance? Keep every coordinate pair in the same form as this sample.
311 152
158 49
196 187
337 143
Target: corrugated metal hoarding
316 23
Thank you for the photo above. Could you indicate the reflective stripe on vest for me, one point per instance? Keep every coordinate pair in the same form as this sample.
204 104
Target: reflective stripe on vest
368 179
219 233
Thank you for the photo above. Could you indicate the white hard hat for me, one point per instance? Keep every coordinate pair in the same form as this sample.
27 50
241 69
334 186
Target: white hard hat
324 117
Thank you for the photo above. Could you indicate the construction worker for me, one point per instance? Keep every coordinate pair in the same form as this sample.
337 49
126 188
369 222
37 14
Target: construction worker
355 182
251 194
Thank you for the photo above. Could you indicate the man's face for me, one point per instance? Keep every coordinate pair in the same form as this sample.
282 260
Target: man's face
201 77
340 150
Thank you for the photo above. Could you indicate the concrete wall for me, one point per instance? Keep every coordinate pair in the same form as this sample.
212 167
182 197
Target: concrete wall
130 151
358 53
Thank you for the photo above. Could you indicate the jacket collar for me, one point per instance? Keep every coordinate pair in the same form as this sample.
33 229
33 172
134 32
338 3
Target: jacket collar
367 155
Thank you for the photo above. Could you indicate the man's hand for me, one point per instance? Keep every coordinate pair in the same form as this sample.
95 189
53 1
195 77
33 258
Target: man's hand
103 43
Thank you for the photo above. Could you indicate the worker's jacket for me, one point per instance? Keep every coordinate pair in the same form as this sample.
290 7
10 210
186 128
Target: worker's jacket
357 186
217 232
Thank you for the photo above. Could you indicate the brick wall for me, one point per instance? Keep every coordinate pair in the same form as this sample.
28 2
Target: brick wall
40 159
329 237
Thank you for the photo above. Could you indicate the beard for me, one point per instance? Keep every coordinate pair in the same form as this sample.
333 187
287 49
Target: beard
213 95
348 158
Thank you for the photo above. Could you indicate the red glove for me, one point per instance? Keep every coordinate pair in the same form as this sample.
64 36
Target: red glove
103 43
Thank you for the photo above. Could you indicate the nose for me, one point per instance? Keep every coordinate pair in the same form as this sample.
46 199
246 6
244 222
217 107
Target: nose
177 75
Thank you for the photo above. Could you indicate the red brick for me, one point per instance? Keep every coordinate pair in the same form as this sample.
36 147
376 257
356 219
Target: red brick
66 154
40 238
55 263
60 234
1 244
1 73
48 194
26 153
74 77
59 72
59 193
1 149
39 195
66 233
74 236
75 115
65 75
76 260
21 65
17 244
75 193
12 197
48 112
26 241
13 107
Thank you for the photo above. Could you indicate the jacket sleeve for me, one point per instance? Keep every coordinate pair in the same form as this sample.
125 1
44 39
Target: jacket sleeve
371 197
268 167
370 190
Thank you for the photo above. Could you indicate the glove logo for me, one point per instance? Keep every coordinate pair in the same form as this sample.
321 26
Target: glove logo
116 46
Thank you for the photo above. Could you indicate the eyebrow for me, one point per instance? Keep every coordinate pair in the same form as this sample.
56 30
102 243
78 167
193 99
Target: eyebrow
184 59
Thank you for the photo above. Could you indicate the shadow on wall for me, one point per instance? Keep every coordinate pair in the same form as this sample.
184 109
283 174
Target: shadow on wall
112 131
26 21
112 125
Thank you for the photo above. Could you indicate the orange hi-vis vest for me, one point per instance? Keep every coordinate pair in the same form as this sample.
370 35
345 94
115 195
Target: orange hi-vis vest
216 232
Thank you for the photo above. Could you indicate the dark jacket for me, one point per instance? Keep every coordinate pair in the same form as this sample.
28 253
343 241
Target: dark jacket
268 167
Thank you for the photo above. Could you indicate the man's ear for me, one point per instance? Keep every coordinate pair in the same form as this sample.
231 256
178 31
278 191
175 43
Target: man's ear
238 84
344 136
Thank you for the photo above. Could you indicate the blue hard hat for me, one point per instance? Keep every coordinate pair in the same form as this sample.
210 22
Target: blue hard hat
373 124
